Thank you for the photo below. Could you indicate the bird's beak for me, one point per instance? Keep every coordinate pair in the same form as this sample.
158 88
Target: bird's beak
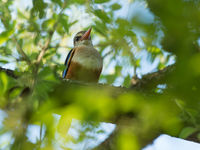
86 35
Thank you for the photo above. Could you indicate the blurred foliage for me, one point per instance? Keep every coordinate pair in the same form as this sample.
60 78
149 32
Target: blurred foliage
38 96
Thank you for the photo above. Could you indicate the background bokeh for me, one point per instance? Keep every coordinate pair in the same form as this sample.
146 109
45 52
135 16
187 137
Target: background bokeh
135 37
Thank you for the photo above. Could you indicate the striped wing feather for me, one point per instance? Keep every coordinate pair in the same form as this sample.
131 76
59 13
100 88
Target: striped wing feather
68 62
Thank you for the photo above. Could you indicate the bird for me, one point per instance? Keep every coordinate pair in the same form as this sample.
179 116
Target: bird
83 62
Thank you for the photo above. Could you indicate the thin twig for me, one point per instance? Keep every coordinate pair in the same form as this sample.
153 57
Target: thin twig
108 53
47 44
21 51
45 47
41 127
41 131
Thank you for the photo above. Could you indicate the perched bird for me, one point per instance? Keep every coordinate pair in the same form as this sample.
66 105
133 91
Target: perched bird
83 62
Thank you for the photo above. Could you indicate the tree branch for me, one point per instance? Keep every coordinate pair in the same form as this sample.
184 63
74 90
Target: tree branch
21 51
152 79
136 84
47 44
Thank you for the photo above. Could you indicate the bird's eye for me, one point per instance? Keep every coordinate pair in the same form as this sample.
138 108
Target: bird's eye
77 38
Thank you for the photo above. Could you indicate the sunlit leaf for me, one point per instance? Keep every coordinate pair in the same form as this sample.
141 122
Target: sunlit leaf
3 81
102 15
187 132
59 2
127 81
3 61
127 140
39 7
115 6
101 1
4 36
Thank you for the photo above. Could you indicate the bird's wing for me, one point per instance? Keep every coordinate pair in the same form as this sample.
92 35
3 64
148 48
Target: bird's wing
68 61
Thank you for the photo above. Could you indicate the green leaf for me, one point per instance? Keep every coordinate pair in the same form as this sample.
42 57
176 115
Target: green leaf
187 132
101 1
154 50
3 61
122 22
118 70
21 14
115 6
48 24
127 81
3 82
50 53
39 7
102 15
110 78
59 2
198 136
4 36
64 21
137 63
5 50
100 27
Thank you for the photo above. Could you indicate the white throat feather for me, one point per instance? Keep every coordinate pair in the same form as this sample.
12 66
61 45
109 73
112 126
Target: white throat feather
87 56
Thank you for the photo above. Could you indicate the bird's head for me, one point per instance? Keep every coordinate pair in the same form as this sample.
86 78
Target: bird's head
83 38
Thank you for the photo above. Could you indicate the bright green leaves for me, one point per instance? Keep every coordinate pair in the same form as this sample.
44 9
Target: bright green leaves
194 64
154 50
127 81
6 13
115 6
124 28
101 1
63 20
9 30
44 84
4 36
101 28
59 2
48 24
3 83
102 15
39 7
110 78
186 132
3 61
127 140
150 113
6 83
5 51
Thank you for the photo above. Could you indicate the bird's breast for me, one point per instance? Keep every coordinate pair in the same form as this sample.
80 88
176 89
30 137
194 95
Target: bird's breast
88 57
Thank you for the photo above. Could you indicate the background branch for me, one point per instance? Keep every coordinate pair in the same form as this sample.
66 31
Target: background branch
21 51
47 44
